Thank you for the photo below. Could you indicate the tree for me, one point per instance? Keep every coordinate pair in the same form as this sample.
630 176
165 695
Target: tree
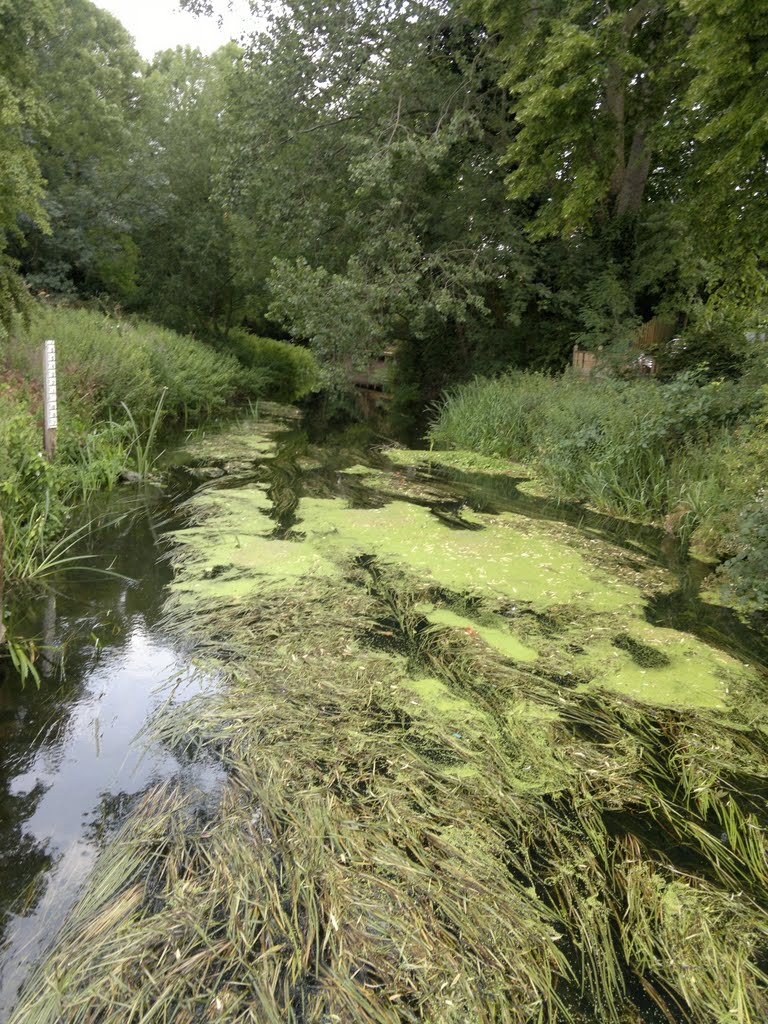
185 238
641 126
728 182
92 78
362 176
23 23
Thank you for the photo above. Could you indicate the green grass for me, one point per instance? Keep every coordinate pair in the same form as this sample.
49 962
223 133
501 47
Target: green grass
120 383
105 363
687 455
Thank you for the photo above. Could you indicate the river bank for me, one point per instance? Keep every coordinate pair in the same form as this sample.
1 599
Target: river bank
124 387
688 454
473 773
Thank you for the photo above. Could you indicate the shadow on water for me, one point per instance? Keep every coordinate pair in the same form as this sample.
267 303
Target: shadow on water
69 770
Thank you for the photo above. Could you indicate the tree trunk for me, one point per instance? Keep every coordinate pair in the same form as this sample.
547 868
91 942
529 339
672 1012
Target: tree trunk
635 175
615 102
629 174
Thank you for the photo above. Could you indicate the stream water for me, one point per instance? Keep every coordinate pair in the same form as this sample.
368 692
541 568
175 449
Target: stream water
69 767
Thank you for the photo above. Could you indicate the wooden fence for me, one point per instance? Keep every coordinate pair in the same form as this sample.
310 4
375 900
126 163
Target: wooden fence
652 334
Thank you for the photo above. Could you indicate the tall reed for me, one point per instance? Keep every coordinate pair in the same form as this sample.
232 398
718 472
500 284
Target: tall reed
142 442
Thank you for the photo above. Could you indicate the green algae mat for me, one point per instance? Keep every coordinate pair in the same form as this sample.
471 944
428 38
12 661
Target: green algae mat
468 780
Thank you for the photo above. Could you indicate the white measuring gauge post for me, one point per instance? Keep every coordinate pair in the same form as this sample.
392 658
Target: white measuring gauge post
51 410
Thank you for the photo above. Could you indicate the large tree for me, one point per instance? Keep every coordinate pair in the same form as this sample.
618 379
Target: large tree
185 239
642 126
363 181
91 76
23 24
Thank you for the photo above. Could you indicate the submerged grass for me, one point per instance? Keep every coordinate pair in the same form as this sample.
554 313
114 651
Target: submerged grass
418 828
353 873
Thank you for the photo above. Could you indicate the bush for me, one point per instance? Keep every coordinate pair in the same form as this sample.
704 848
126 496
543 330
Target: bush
283 371
746 574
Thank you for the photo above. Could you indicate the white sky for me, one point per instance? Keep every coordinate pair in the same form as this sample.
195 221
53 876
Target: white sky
160 25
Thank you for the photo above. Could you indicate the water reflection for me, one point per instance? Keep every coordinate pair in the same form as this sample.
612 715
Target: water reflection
69 769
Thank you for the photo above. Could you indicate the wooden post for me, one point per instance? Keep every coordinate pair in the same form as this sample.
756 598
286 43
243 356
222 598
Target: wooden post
51 412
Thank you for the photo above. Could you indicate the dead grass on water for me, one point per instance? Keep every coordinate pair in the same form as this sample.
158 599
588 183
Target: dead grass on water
511 852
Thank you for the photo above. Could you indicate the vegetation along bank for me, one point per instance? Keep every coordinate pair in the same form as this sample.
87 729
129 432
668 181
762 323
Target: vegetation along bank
688 454
122 385
485 752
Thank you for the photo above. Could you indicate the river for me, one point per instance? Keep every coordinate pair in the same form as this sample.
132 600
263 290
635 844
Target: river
71 769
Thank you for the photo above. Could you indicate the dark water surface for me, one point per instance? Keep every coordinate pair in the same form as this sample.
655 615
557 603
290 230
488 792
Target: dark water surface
69 767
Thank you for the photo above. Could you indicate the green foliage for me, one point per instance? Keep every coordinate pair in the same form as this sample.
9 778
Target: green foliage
729 51
101 362
200 382
104 362
90 74
23 23
280 370
142 443
641 142
591 85
186 271
35 494
376 211
716 342
638 448
746 574
22 654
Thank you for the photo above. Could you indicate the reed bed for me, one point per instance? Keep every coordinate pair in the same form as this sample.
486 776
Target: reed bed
508 851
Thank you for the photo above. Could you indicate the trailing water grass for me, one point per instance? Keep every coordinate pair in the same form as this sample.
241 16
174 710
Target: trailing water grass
688 455
512 852
417 827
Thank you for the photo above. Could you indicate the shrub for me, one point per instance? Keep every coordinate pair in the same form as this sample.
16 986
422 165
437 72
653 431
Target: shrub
746 574
284 371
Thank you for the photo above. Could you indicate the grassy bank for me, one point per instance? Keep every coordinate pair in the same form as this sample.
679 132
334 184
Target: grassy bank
451 795
120 384
688 455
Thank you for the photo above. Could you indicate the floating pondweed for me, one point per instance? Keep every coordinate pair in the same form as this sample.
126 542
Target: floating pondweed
456 827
